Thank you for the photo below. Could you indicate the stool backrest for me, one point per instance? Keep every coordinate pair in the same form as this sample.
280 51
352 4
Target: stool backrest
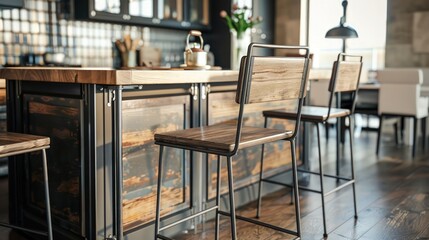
272 78
345 77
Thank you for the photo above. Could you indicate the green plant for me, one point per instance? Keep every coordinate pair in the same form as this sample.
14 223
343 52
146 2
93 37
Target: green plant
240 19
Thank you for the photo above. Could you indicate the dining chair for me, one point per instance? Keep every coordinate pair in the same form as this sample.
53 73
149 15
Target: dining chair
261 79
12 144
399 96
345 79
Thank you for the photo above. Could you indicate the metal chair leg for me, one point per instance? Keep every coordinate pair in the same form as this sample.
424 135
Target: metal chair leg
352 165
327 131
395 128
322 194
337 170
218 182
295 188
48 204
231 199
261 171
158 193
424 132
379 134
414 137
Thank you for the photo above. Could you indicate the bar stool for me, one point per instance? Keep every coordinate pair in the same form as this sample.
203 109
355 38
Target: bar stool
12 144
261 79
345 78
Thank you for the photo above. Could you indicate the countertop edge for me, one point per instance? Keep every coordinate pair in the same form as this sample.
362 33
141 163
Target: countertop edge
117 77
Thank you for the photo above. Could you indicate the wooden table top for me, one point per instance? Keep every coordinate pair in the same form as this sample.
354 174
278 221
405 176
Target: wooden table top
116 77
110 76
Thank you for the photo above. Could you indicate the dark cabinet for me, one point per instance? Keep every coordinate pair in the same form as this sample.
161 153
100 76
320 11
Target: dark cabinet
182 14
11 3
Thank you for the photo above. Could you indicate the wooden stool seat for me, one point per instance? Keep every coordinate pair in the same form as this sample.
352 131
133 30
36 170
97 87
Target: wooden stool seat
220 138
309 113
10 143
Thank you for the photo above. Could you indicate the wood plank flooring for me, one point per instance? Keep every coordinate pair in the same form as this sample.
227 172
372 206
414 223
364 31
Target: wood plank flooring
392 199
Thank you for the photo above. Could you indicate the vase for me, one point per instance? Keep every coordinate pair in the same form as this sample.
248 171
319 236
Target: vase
238 48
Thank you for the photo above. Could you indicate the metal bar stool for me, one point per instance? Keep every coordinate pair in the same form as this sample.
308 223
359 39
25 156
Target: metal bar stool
12 144
345 78
261 79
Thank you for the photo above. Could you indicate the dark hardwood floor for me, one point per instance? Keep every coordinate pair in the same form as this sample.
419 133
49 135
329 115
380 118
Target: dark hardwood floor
392 199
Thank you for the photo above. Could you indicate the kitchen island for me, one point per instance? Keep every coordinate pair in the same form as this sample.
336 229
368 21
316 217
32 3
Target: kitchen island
102 161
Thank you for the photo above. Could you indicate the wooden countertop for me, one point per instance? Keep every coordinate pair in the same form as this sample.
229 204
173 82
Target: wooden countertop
128 77
116 77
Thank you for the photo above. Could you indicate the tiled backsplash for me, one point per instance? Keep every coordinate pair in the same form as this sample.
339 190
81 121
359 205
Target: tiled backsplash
36 29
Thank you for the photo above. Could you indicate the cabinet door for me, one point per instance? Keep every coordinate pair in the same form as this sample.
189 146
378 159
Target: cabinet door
142 8
108 6
170 10
158 10
141 119
11 3
198 12
181 14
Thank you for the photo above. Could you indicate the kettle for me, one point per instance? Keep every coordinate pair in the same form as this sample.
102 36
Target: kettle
195 57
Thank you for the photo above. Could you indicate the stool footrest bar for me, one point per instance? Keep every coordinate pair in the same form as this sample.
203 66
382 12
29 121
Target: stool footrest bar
325 175
340 187
163 237
188 218
251 220
23 229
290 186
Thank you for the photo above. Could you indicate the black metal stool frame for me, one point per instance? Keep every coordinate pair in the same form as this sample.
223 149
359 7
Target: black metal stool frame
242 99
47 201
321 174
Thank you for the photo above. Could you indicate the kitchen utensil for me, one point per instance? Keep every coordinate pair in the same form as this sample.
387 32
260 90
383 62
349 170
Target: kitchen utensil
195 56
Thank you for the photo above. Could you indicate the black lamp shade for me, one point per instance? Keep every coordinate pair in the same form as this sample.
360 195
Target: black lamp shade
341 32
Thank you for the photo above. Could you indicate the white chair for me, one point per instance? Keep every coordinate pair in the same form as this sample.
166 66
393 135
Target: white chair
400 96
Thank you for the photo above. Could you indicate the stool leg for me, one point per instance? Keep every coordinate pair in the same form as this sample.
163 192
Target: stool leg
415 137
327 131
295 188
231 199
352 164
322 194
219 165
424 132
158 193
395 128
339 141
380 125
261 171
48 204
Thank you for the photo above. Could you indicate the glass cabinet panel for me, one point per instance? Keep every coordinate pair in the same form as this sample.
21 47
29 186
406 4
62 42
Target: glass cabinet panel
110 6
199 11
170 9
142 118
141 8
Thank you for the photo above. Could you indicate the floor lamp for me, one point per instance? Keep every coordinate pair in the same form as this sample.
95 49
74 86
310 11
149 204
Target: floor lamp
342 32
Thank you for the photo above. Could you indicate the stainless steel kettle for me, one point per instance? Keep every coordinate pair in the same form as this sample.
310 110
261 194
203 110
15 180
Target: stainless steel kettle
195 57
